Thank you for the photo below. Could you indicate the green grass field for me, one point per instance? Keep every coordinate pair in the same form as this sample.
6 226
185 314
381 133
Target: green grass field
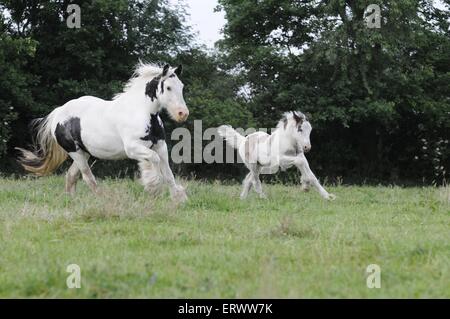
293 245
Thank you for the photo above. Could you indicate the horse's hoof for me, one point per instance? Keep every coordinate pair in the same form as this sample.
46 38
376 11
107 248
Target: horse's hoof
331 197
181 199
154 190
179 194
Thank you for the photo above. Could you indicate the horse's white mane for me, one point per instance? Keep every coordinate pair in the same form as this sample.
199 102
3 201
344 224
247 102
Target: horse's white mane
143 73
288 116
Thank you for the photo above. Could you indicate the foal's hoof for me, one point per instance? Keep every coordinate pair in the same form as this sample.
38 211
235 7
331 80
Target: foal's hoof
330 197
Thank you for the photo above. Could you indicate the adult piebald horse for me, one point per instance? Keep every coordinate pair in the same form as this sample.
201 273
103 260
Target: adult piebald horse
128 126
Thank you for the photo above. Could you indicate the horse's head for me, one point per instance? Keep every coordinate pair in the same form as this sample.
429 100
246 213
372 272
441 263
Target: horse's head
167 88
299 128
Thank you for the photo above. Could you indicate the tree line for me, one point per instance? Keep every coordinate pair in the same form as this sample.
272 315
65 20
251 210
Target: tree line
378 98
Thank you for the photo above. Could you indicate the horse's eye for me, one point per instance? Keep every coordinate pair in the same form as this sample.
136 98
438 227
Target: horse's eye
169 88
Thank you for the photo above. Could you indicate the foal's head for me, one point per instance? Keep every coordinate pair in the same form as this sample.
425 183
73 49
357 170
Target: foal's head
297 125
168 90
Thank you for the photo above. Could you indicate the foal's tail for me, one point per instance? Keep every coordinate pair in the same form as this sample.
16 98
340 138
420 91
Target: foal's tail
47 155
233 138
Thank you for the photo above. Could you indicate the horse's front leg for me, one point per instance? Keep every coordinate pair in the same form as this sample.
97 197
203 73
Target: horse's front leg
149 160
308 177
176 191
139 152
305 185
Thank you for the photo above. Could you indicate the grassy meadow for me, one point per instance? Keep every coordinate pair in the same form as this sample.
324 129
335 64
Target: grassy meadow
292 245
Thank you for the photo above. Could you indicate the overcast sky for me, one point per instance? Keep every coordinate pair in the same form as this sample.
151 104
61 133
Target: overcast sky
204 20
209 23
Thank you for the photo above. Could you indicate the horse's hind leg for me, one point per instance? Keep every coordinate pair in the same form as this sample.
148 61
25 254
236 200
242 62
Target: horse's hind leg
257 183
81 160
71 178
247 185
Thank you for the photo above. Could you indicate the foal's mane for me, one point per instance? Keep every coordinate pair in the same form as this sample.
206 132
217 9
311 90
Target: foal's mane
142 74
288 116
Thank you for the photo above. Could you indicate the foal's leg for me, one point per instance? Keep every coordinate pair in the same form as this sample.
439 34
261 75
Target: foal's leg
308 176
257 182
247 185
81 160
305 184
252 178
176 191
71 178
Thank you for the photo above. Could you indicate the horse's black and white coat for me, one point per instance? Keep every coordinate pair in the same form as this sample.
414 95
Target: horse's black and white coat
155 130
129 126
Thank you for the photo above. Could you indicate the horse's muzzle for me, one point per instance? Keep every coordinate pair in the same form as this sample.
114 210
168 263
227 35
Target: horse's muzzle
182 115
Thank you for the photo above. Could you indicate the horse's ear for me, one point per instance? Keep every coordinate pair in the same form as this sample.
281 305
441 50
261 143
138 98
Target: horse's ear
308 116
179 70
297 118
285 121
166 70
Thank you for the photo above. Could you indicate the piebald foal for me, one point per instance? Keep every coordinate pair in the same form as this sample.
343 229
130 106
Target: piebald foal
265 154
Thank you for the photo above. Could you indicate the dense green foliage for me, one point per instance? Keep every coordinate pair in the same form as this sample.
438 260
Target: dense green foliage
295 245
45 64
376 95
15 83
379 98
